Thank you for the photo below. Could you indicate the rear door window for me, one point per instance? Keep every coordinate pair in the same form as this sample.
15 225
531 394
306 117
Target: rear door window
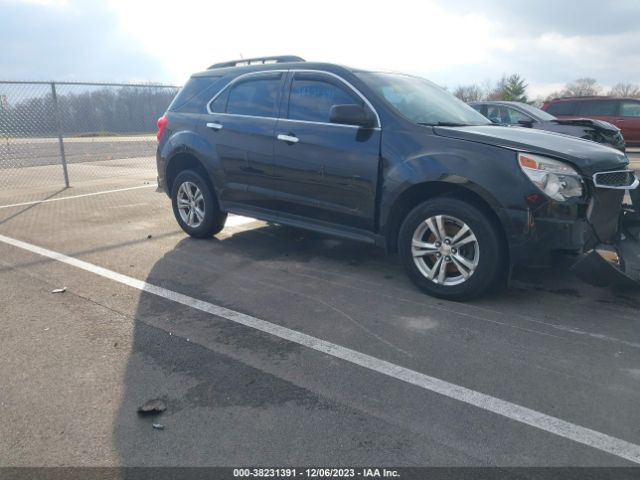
563 108
598 108
257 97
497 114
480 108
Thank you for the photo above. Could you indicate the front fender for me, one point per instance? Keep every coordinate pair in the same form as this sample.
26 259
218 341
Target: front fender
490 173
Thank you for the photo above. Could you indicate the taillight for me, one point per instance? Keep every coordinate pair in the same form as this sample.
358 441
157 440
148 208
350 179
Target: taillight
162 123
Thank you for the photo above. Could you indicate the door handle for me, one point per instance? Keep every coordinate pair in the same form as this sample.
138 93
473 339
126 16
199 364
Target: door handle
214 125
288 138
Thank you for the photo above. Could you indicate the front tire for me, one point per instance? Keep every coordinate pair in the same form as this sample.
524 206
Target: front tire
451 249
195 205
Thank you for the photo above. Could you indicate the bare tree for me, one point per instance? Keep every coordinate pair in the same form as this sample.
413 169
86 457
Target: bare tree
469 93
625 90
582 87
553 95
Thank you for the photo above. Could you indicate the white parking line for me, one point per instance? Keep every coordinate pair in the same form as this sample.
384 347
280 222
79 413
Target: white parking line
237 220
586 436
36 202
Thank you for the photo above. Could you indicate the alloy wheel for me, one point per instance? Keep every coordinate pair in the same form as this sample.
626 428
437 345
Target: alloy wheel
191 204
445 250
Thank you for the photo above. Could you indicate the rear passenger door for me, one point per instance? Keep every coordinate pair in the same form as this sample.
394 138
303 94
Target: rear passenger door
324 171
240 125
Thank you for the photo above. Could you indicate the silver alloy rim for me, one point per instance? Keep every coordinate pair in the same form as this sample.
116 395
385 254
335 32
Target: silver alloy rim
191 204
445 250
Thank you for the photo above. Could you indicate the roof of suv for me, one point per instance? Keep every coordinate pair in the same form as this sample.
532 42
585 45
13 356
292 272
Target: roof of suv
264 64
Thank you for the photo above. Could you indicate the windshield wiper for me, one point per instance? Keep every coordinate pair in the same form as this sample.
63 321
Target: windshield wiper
443 124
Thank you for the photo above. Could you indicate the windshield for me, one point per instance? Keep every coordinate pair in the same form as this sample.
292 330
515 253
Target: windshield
541 114
421 101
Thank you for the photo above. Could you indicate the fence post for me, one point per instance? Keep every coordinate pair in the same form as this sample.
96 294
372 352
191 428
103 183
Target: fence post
60 132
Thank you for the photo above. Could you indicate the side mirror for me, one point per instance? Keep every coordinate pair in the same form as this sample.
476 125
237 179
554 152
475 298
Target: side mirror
352 114
525 123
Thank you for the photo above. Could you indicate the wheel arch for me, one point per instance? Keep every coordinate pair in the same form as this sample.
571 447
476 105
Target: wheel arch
186 160
421 192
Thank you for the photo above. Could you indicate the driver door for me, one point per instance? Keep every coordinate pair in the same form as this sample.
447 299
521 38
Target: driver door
322 170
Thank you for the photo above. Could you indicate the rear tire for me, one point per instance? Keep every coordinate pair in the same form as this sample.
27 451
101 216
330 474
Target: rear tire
451 249
195 205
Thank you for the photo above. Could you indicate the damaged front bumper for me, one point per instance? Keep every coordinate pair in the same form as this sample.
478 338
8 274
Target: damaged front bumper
612 255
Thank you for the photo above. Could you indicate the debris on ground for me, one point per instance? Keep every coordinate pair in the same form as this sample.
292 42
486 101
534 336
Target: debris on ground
59 290
152 406
158 426
149 236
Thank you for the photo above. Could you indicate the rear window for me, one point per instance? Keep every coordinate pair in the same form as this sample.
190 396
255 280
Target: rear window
195 93
563 108
598 107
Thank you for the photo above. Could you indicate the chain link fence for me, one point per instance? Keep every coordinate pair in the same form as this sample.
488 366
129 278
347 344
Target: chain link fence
59 134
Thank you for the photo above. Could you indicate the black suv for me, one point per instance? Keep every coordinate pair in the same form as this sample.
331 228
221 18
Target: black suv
389 159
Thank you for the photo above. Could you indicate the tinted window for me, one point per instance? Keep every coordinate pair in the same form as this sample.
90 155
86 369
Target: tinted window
257 97
515 117
597 107
496 114
219 105
312 100
480 108
195 87
562 108
630 109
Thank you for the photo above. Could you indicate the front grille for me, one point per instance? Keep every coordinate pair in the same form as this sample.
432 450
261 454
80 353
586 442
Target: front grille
618 179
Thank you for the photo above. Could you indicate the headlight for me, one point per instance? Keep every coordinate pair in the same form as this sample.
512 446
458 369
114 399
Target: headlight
556 179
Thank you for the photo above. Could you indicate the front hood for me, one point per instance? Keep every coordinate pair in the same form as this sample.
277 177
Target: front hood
589 157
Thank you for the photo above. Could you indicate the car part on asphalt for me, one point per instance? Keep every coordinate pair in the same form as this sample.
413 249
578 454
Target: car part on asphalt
154 406
392 160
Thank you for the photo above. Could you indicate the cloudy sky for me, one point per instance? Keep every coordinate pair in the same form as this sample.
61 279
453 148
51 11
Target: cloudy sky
452 42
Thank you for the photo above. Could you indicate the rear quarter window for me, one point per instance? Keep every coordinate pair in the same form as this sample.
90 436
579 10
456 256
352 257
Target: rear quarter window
630 109
192 98
563 108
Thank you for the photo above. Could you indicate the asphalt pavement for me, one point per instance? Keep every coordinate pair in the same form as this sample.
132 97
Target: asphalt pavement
76 365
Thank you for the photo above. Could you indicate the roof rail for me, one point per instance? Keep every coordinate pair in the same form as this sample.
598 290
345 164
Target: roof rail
243 62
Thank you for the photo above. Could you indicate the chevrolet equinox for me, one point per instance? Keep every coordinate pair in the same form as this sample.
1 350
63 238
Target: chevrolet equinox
393 160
